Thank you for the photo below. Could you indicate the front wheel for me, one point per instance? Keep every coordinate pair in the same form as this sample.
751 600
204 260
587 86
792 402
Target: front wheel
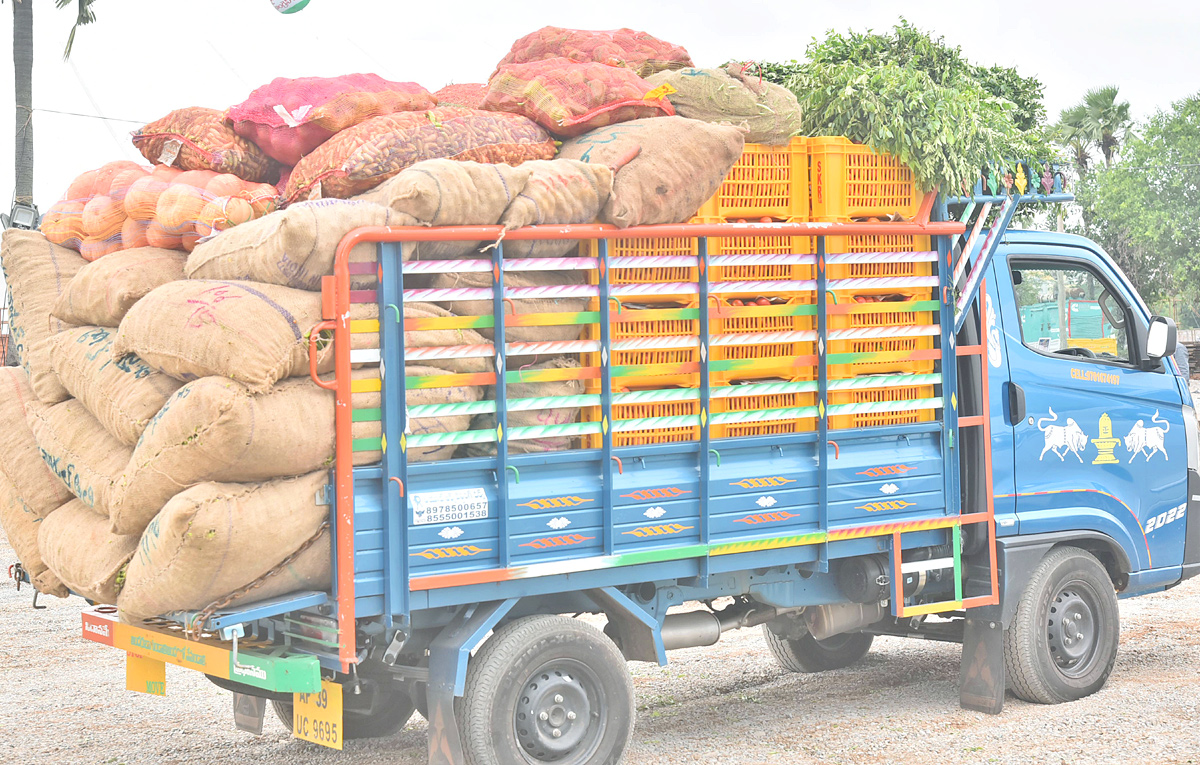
546 689
1062 644
807 654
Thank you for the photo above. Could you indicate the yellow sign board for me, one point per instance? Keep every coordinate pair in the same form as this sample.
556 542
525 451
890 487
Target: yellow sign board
145 675
317 717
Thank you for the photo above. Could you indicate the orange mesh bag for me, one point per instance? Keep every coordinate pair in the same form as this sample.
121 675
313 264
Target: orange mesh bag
570 99
200 139
91 216
289 118
366 155
641 52
468 94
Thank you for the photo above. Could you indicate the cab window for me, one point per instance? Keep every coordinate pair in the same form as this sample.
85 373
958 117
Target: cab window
1066 309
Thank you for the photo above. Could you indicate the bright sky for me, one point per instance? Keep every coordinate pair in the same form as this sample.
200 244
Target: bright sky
144 58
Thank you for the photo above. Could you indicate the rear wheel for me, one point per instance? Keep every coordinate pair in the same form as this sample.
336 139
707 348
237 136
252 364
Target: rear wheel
546 689
1062 644
387 715
807 654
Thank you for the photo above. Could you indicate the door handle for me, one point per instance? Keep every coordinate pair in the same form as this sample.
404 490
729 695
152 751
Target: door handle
1016 403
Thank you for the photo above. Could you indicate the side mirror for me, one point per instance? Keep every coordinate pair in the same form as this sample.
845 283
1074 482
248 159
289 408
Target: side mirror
1162 338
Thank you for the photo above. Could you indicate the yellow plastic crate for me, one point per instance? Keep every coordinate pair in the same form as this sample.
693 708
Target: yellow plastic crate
631 327
767 427
766 181
886 318
850 180
774 358
881 345
649 274
759 244
649 436
879 419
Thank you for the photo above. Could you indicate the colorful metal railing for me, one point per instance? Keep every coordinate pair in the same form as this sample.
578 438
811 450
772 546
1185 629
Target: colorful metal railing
340 300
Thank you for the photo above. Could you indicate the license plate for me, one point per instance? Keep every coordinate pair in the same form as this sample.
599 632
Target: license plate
317 717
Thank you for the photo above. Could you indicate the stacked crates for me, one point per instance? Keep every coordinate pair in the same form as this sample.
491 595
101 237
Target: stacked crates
826 179
851 182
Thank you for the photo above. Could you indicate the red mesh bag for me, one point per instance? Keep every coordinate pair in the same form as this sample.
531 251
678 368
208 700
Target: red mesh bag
200 139
641 52
290 118
570 99
366 155
468 94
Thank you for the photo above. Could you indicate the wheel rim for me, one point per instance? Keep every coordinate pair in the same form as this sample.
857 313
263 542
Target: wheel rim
1072 629
559 714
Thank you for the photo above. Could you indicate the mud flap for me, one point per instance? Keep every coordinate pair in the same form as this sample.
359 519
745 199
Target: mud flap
981 677
448 655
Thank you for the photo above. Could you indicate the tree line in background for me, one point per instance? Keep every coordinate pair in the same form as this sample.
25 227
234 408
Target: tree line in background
907 92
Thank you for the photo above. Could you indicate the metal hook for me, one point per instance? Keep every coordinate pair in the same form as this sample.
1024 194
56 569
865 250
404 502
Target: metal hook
511 305
714 451
620 466
517 472
394 308
617 301
833 294
837 451
399 483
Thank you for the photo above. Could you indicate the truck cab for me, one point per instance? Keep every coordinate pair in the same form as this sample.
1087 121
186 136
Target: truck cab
1092 436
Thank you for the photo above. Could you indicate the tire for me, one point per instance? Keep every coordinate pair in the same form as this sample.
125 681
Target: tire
546 665
807 654
1069 592
394 709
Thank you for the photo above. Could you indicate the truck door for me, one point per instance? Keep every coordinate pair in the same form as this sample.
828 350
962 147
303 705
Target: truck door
1100 443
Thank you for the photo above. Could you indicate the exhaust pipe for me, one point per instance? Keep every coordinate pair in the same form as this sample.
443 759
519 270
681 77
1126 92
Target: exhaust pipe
703 628
829 620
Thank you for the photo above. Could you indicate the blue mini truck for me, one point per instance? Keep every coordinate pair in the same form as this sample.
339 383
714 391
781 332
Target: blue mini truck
830 431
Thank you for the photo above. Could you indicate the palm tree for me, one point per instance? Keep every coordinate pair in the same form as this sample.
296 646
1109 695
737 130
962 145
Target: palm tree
1073 131
23 84
23 88
1108 121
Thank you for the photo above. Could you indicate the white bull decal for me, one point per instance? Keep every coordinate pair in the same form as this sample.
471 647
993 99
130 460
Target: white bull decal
1062 439
1148 441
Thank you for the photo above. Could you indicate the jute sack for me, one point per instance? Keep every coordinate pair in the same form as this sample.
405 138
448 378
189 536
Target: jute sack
38 488
79 546
36 273
20 525
254 333
122 392
416 426
79 451
443 192
104 290
294 247
558 191
532 417
768 111
215 429
483 279
215 538
42 377
425 338
666 167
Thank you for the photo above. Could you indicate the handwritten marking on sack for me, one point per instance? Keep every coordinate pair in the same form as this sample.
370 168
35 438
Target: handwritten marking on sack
70 475
205 311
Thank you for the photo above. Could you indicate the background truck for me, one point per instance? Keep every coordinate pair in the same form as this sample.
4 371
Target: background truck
876 441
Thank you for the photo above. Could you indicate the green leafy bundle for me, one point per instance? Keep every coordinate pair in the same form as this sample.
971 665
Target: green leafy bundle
913 96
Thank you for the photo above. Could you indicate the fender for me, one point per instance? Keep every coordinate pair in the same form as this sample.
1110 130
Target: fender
1017 557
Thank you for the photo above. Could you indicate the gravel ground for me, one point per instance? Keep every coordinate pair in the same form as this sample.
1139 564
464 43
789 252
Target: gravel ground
63 701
